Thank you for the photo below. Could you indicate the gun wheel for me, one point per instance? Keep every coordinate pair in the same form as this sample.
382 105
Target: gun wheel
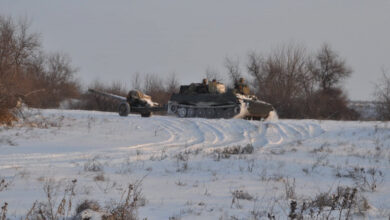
124 109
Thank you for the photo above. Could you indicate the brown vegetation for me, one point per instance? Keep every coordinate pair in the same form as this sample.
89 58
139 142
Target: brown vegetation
160 90
297 84
151 84
28 74
382 95
94 102
300 85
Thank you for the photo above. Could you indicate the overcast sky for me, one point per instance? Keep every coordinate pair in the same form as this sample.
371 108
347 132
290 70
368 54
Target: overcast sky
111 40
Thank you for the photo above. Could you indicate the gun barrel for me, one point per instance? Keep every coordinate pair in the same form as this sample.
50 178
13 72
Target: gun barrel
109 95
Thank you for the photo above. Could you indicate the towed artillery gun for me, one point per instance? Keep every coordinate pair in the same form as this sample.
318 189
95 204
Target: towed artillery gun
212 100
135 102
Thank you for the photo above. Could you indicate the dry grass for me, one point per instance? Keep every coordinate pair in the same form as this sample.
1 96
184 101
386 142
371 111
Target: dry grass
6 118
3 184
182 159
27 73
343 203
226 152
99 177
51 209
93 165
88 204
366 180
54 208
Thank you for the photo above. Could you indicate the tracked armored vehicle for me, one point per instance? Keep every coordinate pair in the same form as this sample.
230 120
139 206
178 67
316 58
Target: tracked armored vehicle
212 100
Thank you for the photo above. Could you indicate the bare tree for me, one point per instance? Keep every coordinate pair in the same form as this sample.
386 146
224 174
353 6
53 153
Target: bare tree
153 84
26 72
382 96
93 102
254 65
17 47
279 77
59 80
136 82
328 68
299 85
329 100
212 74
59 68
233 69
172 84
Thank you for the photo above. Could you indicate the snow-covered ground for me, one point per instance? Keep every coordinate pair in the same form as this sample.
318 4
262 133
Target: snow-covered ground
189 169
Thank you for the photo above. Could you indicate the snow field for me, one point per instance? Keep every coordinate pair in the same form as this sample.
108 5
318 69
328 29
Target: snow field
186 174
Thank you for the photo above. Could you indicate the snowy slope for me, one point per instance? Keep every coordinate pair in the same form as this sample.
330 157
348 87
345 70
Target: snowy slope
185 174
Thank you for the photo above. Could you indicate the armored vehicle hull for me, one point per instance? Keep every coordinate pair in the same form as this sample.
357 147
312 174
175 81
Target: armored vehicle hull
225 105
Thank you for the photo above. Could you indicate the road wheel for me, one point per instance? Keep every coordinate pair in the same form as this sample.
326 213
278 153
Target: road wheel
124 109
219 113
200 113
182 112
190 112
173 108
228 113
210 113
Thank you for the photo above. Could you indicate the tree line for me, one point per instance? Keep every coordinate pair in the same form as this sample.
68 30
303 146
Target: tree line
298 83
158 88
29 74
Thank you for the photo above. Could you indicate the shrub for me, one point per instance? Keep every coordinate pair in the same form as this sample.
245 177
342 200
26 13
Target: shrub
27 74
344 202
90 101
299 85
49 209
3 184
93 165
128 209
226 152
382 95
88 204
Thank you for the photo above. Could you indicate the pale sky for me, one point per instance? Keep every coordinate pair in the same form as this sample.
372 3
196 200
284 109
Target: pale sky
111 40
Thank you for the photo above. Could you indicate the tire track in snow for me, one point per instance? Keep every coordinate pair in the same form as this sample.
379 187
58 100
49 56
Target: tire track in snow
274 134
183 133
176 135
290 131
210 130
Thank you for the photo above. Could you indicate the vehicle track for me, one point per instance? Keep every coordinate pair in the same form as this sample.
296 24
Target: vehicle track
168 134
